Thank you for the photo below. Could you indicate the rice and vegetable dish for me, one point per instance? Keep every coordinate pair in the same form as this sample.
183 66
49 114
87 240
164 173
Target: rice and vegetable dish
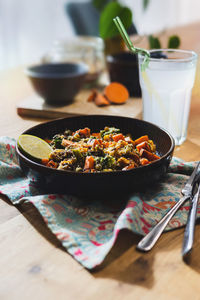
104 151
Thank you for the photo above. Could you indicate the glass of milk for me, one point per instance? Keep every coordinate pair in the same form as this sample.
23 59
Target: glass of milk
166 86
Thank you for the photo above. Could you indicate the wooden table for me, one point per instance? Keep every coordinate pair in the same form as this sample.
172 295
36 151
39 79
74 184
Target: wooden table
35 266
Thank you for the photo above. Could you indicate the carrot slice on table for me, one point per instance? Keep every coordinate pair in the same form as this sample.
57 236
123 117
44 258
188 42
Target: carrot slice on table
92 96
100 100
116 93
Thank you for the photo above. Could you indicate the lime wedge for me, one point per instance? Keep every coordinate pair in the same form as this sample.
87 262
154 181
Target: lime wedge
34 146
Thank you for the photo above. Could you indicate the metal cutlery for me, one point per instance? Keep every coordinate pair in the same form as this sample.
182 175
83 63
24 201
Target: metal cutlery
190 226
151 238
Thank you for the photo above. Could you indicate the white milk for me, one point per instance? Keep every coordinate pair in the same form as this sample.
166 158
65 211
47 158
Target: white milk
166 93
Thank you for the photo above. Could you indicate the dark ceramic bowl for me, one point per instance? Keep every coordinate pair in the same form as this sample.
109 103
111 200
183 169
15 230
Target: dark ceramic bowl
123 67
105 182
57 83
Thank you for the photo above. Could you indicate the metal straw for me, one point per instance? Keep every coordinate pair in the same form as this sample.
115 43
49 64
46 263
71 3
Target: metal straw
129 44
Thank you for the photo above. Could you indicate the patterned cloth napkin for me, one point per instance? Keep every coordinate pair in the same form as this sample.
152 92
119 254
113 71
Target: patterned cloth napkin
88 229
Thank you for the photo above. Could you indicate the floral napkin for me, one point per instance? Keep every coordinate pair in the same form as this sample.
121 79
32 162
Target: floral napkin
88 229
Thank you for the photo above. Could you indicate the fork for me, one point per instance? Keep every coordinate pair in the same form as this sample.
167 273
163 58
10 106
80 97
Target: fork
190 226
151 238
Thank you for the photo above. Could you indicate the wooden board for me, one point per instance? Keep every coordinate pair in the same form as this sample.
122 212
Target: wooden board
36 107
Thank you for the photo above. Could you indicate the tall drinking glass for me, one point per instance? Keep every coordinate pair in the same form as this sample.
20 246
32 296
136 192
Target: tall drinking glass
166 86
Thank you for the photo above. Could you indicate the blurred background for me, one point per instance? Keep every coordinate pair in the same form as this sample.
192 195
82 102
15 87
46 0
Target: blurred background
29 28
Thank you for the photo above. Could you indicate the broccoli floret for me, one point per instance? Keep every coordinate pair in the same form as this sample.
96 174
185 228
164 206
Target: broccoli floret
79 156
109 130
76 137
67 132
56 142
109 162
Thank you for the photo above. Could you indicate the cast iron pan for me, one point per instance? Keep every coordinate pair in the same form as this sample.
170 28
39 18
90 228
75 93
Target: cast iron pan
99 184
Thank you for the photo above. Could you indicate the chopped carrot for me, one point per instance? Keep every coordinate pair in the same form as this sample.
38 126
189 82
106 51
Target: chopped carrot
144 161
89 162
100 100
48 141
93 143
97 135
100 141
84 132
129 140
66 143
118 137
141 139
143 145
150 156
106 144
116 93
134 157
92 96
45 161
123 162
129 167
52 164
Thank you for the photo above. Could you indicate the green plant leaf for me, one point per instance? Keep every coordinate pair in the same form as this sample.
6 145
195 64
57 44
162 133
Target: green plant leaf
154 42
100 4
107 28
145 4
174 42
